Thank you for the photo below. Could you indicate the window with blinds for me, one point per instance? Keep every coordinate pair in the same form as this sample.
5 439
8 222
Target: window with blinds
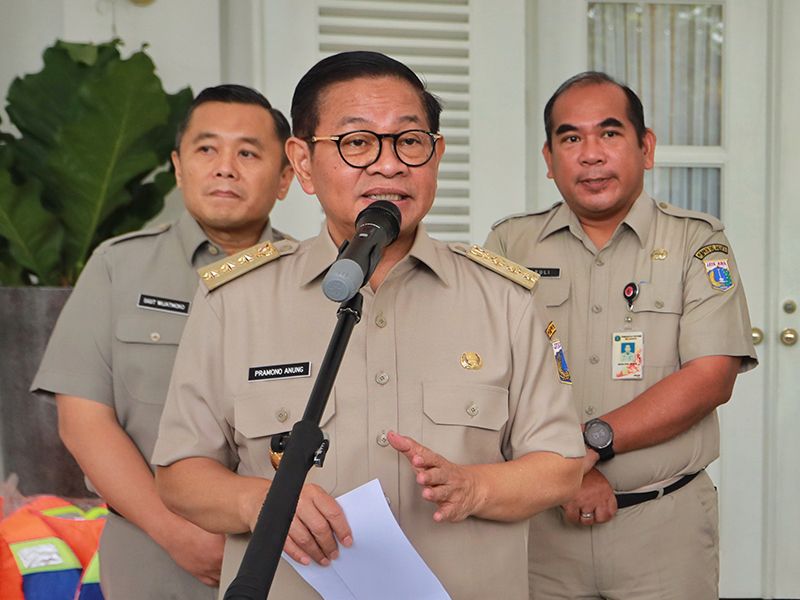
671 55
433 39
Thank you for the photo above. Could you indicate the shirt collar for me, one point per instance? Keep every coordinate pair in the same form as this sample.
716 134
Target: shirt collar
639 218
193 238
322 253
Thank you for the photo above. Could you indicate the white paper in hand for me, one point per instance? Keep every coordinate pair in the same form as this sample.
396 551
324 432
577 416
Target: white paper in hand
381 563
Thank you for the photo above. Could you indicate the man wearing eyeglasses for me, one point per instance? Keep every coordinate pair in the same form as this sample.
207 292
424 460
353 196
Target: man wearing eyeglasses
448 394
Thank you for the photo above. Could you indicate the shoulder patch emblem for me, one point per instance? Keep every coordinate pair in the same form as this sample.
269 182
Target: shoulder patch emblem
231 267
706 250
561 363
719 274
499 264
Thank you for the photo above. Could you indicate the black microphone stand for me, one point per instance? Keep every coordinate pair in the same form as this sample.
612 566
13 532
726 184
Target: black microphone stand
304 448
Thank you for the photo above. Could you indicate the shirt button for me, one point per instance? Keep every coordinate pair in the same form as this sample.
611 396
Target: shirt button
155 336
597 309
281 415
382 440
382 378
594 360
213 250
590 410
599 262
380 321
472 410
659 304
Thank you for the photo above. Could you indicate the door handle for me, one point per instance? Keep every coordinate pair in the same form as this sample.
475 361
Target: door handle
789 337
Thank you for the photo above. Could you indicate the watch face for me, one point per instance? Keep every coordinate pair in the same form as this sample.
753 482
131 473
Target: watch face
598 435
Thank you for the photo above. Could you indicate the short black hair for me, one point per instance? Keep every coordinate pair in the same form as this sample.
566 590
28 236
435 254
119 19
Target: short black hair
347 66
235 94
635 109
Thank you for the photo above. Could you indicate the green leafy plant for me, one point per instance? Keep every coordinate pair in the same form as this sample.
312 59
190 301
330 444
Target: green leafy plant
95 131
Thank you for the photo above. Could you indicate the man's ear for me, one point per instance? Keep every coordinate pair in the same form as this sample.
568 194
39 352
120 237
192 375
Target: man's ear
299 154
649 148
548 157
287 174
176 162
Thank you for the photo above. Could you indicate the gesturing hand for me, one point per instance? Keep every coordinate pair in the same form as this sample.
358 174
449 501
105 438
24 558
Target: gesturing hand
452 487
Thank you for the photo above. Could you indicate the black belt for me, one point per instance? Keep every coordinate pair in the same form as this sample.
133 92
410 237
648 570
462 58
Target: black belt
626 500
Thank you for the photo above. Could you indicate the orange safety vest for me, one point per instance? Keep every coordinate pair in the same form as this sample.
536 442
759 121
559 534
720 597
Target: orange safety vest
48 551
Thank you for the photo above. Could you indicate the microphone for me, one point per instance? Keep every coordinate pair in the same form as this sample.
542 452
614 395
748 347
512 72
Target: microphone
377 226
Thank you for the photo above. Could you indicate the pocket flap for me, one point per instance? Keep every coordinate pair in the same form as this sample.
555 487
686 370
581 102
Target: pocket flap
477 405
150 329
265 414
554 292
659 298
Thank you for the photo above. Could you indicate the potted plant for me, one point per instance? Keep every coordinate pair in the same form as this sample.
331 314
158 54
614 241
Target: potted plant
94 134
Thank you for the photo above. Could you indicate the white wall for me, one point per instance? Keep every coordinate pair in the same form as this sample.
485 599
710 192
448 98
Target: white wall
26 28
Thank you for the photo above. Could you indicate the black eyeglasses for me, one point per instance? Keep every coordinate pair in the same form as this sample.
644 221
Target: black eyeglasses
362 148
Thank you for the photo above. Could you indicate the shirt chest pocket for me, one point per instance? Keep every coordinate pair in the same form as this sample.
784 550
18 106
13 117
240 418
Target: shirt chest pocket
657 312
145 353
258 417
464 423
553 292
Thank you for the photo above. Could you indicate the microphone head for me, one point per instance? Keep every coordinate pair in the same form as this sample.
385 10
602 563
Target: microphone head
385 215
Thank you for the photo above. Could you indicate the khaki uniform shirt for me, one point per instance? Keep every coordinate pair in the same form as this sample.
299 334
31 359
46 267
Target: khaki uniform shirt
116 338
681 314
402 371
115 343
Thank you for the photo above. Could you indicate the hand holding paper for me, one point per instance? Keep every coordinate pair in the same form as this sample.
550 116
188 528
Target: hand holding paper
380 563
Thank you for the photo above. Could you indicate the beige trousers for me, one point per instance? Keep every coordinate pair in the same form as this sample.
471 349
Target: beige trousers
663 549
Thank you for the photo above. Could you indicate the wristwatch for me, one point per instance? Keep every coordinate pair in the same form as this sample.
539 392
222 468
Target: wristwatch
599 436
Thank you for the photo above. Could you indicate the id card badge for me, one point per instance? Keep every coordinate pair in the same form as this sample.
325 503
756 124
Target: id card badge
627 355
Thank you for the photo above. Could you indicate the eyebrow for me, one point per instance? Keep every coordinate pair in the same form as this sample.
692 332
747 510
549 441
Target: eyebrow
208 135
609 122
359 120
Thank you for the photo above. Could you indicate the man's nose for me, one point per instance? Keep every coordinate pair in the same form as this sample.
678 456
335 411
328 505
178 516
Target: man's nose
388 163
226 165
592 151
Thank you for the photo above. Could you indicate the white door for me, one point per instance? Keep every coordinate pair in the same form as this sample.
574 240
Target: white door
783 408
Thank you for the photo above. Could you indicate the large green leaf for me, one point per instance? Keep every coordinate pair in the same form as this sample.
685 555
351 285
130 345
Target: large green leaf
33 235
41 103
162 139
98 154
148 201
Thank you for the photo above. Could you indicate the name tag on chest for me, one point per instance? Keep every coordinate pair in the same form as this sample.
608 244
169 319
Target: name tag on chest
180 307
289 371
549 272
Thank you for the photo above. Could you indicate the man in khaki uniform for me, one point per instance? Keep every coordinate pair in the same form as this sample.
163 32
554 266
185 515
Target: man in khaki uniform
656 329
110 357
449 353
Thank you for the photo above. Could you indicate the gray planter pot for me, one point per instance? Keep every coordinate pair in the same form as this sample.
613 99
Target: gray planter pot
29 442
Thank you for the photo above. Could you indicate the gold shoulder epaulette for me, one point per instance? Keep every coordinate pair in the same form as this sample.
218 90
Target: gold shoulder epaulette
499 264
231 267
